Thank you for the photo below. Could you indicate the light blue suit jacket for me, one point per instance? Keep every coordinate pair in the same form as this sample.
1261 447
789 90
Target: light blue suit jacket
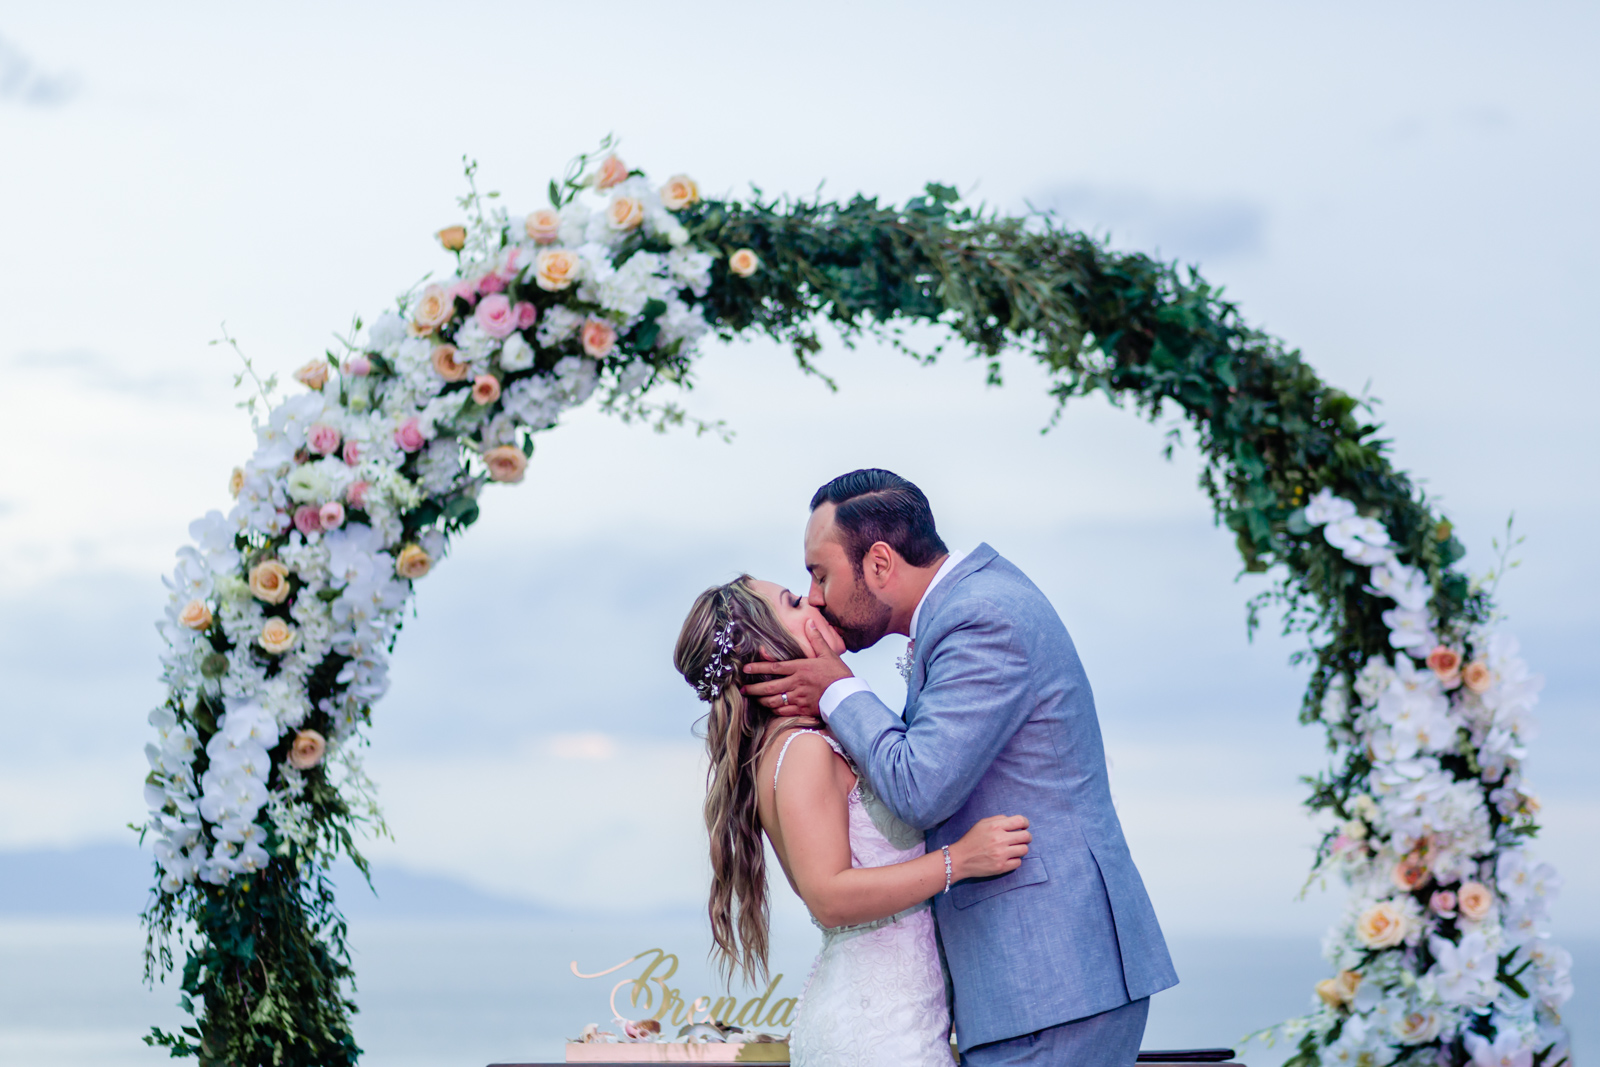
999 720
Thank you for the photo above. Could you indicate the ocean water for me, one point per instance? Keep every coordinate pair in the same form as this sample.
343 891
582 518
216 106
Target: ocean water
468 992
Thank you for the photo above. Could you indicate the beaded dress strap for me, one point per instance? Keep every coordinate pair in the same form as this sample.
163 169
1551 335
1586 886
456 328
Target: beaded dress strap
784 751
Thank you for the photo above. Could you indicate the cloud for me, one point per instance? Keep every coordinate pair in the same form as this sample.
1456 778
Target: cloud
22 81
1190 228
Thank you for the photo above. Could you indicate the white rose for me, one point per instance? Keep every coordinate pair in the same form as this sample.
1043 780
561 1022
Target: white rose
516 353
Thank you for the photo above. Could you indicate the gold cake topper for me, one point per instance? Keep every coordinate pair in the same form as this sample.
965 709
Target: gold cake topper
671 1006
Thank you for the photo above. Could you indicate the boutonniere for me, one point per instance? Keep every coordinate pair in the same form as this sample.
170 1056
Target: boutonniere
904 662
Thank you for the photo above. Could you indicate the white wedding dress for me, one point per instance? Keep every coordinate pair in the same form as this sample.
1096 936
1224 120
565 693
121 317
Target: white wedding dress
876 994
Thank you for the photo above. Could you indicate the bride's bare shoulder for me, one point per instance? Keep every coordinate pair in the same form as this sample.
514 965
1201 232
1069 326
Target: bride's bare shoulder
804 754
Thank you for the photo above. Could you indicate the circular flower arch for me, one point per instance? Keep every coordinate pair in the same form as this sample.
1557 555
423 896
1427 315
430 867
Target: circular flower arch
284 611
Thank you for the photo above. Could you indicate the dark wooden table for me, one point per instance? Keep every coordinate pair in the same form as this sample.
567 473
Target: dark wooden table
1189 1057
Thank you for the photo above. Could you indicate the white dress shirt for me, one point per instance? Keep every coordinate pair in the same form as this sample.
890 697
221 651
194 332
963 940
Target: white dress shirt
835 694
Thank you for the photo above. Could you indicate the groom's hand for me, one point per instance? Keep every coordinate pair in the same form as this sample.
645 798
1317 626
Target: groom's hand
803 681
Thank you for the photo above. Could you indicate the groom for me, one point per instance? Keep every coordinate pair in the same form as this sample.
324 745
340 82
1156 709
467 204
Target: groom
1055 962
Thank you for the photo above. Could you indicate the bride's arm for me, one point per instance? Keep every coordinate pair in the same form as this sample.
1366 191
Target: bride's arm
813 817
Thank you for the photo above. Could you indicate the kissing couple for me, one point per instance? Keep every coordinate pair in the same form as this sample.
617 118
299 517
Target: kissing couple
963 857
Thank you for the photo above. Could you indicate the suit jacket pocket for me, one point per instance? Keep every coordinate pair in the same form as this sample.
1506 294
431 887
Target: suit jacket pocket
969 893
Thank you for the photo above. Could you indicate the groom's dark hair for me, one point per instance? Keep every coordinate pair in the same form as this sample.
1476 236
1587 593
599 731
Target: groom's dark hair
878 505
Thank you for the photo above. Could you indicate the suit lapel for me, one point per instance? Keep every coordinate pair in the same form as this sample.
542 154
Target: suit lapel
974 561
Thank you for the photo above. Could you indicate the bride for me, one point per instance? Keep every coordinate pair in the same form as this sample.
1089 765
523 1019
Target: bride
876 994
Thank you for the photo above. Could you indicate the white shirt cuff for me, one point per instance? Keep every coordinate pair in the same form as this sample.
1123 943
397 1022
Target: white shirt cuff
835 694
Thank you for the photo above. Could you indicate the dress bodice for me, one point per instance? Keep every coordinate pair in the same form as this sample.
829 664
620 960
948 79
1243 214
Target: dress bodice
876 995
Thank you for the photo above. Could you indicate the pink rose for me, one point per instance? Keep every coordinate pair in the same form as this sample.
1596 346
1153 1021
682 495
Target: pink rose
357 366
352 453
527 314
491 283
465 290
599 338
322 438
409 436
496 316
356 495
307 518
485 389
331 515
1443 904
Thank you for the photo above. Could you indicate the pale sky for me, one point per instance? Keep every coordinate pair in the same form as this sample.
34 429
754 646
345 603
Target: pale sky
1405 196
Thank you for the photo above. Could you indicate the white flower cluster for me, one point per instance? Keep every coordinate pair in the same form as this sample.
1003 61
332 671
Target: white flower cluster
313 566
1434 876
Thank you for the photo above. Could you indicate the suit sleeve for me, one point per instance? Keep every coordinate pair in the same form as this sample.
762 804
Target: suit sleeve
974 699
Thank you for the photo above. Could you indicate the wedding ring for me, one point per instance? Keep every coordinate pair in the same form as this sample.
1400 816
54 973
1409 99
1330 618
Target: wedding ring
786 700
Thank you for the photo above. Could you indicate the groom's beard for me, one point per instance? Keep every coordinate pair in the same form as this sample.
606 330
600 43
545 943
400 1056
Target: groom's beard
863 621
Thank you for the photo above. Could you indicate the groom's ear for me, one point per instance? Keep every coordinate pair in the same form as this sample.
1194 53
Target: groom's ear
878 566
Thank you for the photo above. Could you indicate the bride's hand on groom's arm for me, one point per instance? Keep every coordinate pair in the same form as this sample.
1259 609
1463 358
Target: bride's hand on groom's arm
993 846
801 681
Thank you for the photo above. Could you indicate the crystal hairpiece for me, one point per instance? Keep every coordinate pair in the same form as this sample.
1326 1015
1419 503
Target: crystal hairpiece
721 666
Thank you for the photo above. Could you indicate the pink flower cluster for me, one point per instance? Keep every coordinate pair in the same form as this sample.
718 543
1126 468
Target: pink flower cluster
309 518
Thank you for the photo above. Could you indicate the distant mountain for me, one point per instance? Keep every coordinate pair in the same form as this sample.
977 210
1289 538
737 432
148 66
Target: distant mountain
109 880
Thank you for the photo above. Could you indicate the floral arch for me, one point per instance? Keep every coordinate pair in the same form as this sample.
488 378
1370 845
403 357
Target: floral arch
283 612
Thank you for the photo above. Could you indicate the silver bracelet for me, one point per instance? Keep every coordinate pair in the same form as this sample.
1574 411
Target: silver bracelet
947 869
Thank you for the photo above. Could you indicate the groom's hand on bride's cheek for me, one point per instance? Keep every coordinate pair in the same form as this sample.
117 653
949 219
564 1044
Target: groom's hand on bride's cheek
802 681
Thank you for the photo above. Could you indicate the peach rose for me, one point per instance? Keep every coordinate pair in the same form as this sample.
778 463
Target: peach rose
555 269
485 389
322 439
408 435
506 463
356 495
1337 992
313 375
413 562
1410 874
307 750
454 238
1382 926
599 338
236 482
744 262
612 172
444 363
1446 663
1443 904
269 581
1477 676
331 515
195 615
437 307
1475 901
277 636
625 213
543 225
679 192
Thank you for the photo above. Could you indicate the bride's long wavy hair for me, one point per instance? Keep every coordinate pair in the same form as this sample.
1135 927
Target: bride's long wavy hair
729 626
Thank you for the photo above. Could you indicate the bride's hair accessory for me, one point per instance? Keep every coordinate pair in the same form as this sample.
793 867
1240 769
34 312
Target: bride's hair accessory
721 666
